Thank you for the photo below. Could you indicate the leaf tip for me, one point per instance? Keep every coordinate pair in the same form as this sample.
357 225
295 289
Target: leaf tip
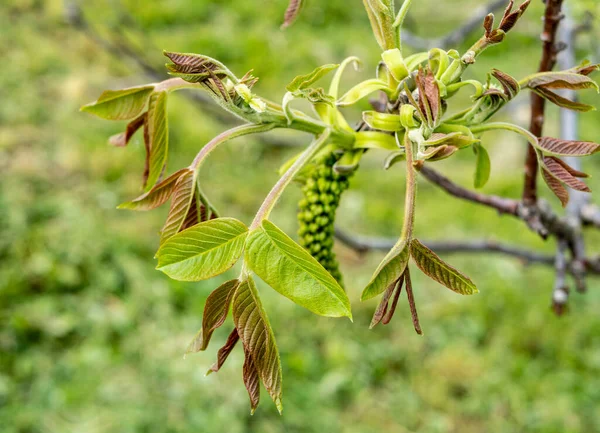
279 405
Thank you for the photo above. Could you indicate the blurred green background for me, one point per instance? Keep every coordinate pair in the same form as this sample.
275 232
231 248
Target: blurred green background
92 337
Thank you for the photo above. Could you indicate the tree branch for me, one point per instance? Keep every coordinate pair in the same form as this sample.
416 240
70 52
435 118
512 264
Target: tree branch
457 36
552 18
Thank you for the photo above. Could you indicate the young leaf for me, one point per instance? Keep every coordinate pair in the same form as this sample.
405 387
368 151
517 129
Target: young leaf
122 139
215 313
388 272
203 251
393 159
224 351
509 84
438 153
436 269
251 381
361 91
563 172
375 140
303 82
563 102
158 136
382 14
257 336
292 12
120 104
558 147
383 121
412 305
560 80
292 271
556 186
182 200
157 196
483 167
382 309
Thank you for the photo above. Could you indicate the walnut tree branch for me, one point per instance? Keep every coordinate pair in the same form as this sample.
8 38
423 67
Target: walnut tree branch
552 18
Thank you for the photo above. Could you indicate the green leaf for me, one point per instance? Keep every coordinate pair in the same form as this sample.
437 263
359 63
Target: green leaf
383 121
203 251
157 135
375 140
381 15
120 104
292 271
388 272
483 167
394 158
303 82
361 91
157 196
215 313
438 270
395 63
255 331
182 200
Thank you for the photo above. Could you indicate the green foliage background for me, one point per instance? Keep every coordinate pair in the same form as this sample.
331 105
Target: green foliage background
92 337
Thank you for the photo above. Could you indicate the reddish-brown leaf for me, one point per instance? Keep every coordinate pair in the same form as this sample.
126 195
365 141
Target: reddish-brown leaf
560 147
181 202
251 381
225 351
562 80
411 303
560 170
510 18
556 186
562 101
567 167
488 24
292 12
122 139
430 103
398 289
509 84
215 312
157 196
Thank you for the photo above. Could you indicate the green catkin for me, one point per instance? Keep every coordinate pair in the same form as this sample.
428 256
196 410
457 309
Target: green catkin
322 191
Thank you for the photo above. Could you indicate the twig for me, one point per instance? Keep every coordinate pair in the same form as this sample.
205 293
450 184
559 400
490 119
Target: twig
502 205
569 131
457 36
552 18
364 244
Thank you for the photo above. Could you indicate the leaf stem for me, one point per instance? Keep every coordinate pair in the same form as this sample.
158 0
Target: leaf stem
230 134
271 200
411 191
400 21
532 139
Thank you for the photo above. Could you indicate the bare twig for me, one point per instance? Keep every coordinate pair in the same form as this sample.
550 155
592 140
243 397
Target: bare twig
552 18
457 36
502 205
